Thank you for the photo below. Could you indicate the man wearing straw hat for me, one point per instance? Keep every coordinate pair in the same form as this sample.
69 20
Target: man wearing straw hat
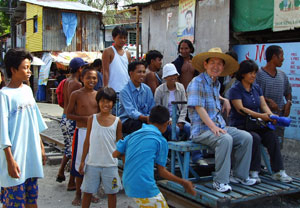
208 126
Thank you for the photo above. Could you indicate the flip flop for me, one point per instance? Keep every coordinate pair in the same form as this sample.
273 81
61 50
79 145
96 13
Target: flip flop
95 200
71 188
60 179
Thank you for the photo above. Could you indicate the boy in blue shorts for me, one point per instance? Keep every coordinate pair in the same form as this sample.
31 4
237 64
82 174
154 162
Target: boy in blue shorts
22 153
143 149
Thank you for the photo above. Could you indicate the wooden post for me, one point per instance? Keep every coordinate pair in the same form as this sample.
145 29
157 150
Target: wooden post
137 33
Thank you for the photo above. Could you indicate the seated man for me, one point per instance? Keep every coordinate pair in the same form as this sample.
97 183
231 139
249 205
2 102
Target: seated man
136 99
208 126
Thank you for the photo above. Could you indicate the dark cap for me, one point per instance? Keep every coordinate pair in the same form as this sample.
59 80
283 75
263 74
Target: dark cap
76 63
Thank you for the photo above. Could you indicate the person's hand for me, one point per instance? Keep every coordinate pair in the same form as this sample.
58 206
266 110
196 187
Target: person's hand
287 109
81 168
265 117
180 125
226 106
189 187
13 169
216 130
272 105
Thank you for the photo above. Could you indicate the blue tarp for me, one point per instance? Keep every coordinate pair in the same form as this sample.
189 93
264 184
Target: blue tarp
69 23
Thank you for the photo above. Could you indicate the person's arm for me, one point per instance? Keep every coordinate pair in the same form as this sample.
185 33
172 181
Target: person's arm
206 119
263 106
106 60
151 81
182 107
128 56
226 105
119 131
288 105
12 166
127 102
272 105
71 109
187 185
238 105
44 157
86 145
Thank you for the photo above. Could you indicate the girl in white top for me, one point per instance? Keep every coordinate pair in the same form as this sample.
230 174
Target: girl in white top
103 131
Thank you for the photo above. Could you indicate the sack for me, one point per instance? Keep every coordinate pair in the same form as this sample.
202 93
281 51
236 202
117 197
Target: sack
59 92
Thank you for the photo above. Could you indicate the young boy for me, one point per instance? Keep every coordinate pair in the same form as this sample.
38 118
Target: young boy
82 104
103 131
142 150
154 62
21 150
115 61
136 99
97 64
68 126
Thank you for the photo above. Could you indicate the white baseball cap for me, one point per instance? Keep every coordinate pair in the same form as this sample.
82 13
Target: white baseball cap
169 70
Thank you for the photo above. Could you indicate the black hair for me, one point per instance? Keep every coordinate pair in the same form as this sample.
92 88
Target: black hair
87 68
271 50
233 54
97 63
106 93
246 67
189 43
13 59
153 54
119 30
132 65
159 114
188 12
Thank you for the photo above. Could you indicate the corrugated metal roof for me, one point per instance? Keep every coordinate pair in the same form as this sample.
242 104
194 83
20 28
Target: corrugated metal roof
66 5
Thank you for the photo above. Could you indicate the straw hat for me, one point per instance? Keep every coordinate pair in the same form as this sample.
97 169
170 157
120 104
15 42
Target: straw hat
231 65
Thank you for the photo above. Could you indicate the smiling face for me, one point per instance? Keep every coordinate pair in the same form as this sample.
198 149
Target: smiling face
184 50
171 80
249 77
23 72
90 79
214 67
137 76
105 105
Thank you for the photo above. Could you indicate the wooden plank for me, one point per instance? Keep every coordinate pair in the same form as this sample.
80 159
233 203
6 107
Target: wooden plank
274 183
211 191
268 187
251 188
262 188
242 190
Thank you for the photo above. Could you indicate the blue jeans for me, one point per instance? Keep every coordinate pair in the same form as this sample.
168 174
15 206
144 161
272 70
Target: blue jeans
183 134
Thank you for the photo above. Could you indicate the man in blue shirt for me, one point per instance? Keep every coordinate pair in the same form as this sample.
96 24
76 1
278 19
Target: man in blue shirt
136 99
142 150
207 124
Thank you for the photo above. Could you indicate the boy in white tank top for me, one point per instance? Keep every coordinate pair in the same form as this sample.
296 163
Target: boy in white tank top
103 131
115 61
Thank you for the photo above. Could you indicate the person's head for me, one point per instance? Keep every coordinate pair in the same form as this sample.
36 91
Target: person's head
106 98
89 76
76 64
189 18
185 48
275 53
154 59
160 116
97 64
17 64
247 71
170 74
119 35
215 63
137 72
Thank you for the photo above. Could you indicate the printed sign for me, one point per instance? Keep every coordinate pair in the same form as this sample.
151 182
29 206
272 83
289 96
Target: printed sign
291 66
186 20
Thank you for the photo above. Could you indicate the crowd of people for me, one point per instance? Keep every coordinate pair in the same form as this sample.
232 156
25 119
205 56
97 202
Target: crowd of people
119 108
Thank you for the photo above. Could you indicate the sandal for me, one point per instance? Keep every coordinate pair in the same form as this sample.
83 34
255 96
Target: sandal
60 179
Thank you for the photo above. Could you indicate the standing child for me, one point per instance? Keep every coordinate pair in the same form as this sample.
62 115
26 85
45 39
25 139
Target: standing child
21 150
82 104
103 131
142 150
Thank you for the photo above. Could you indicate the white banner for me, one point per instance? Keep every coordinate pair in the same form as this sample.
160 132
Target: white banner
286 15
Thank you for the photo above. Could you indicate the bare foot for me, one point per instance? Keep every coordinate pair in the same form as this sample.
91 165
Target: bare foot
76 201
95 200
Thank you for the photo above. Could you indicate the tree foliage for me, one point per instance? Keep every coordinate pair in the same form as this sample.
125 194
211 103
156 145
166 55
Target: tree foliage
4 19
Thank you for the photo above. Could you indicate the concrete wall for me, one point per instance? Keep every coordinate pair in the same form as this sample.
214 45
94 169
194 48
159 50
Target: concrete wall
211 27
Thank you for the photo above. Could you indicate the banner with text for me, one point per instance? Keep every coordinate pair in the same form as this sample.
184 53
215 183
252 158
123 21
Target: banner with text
286 15
186 20
291 66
